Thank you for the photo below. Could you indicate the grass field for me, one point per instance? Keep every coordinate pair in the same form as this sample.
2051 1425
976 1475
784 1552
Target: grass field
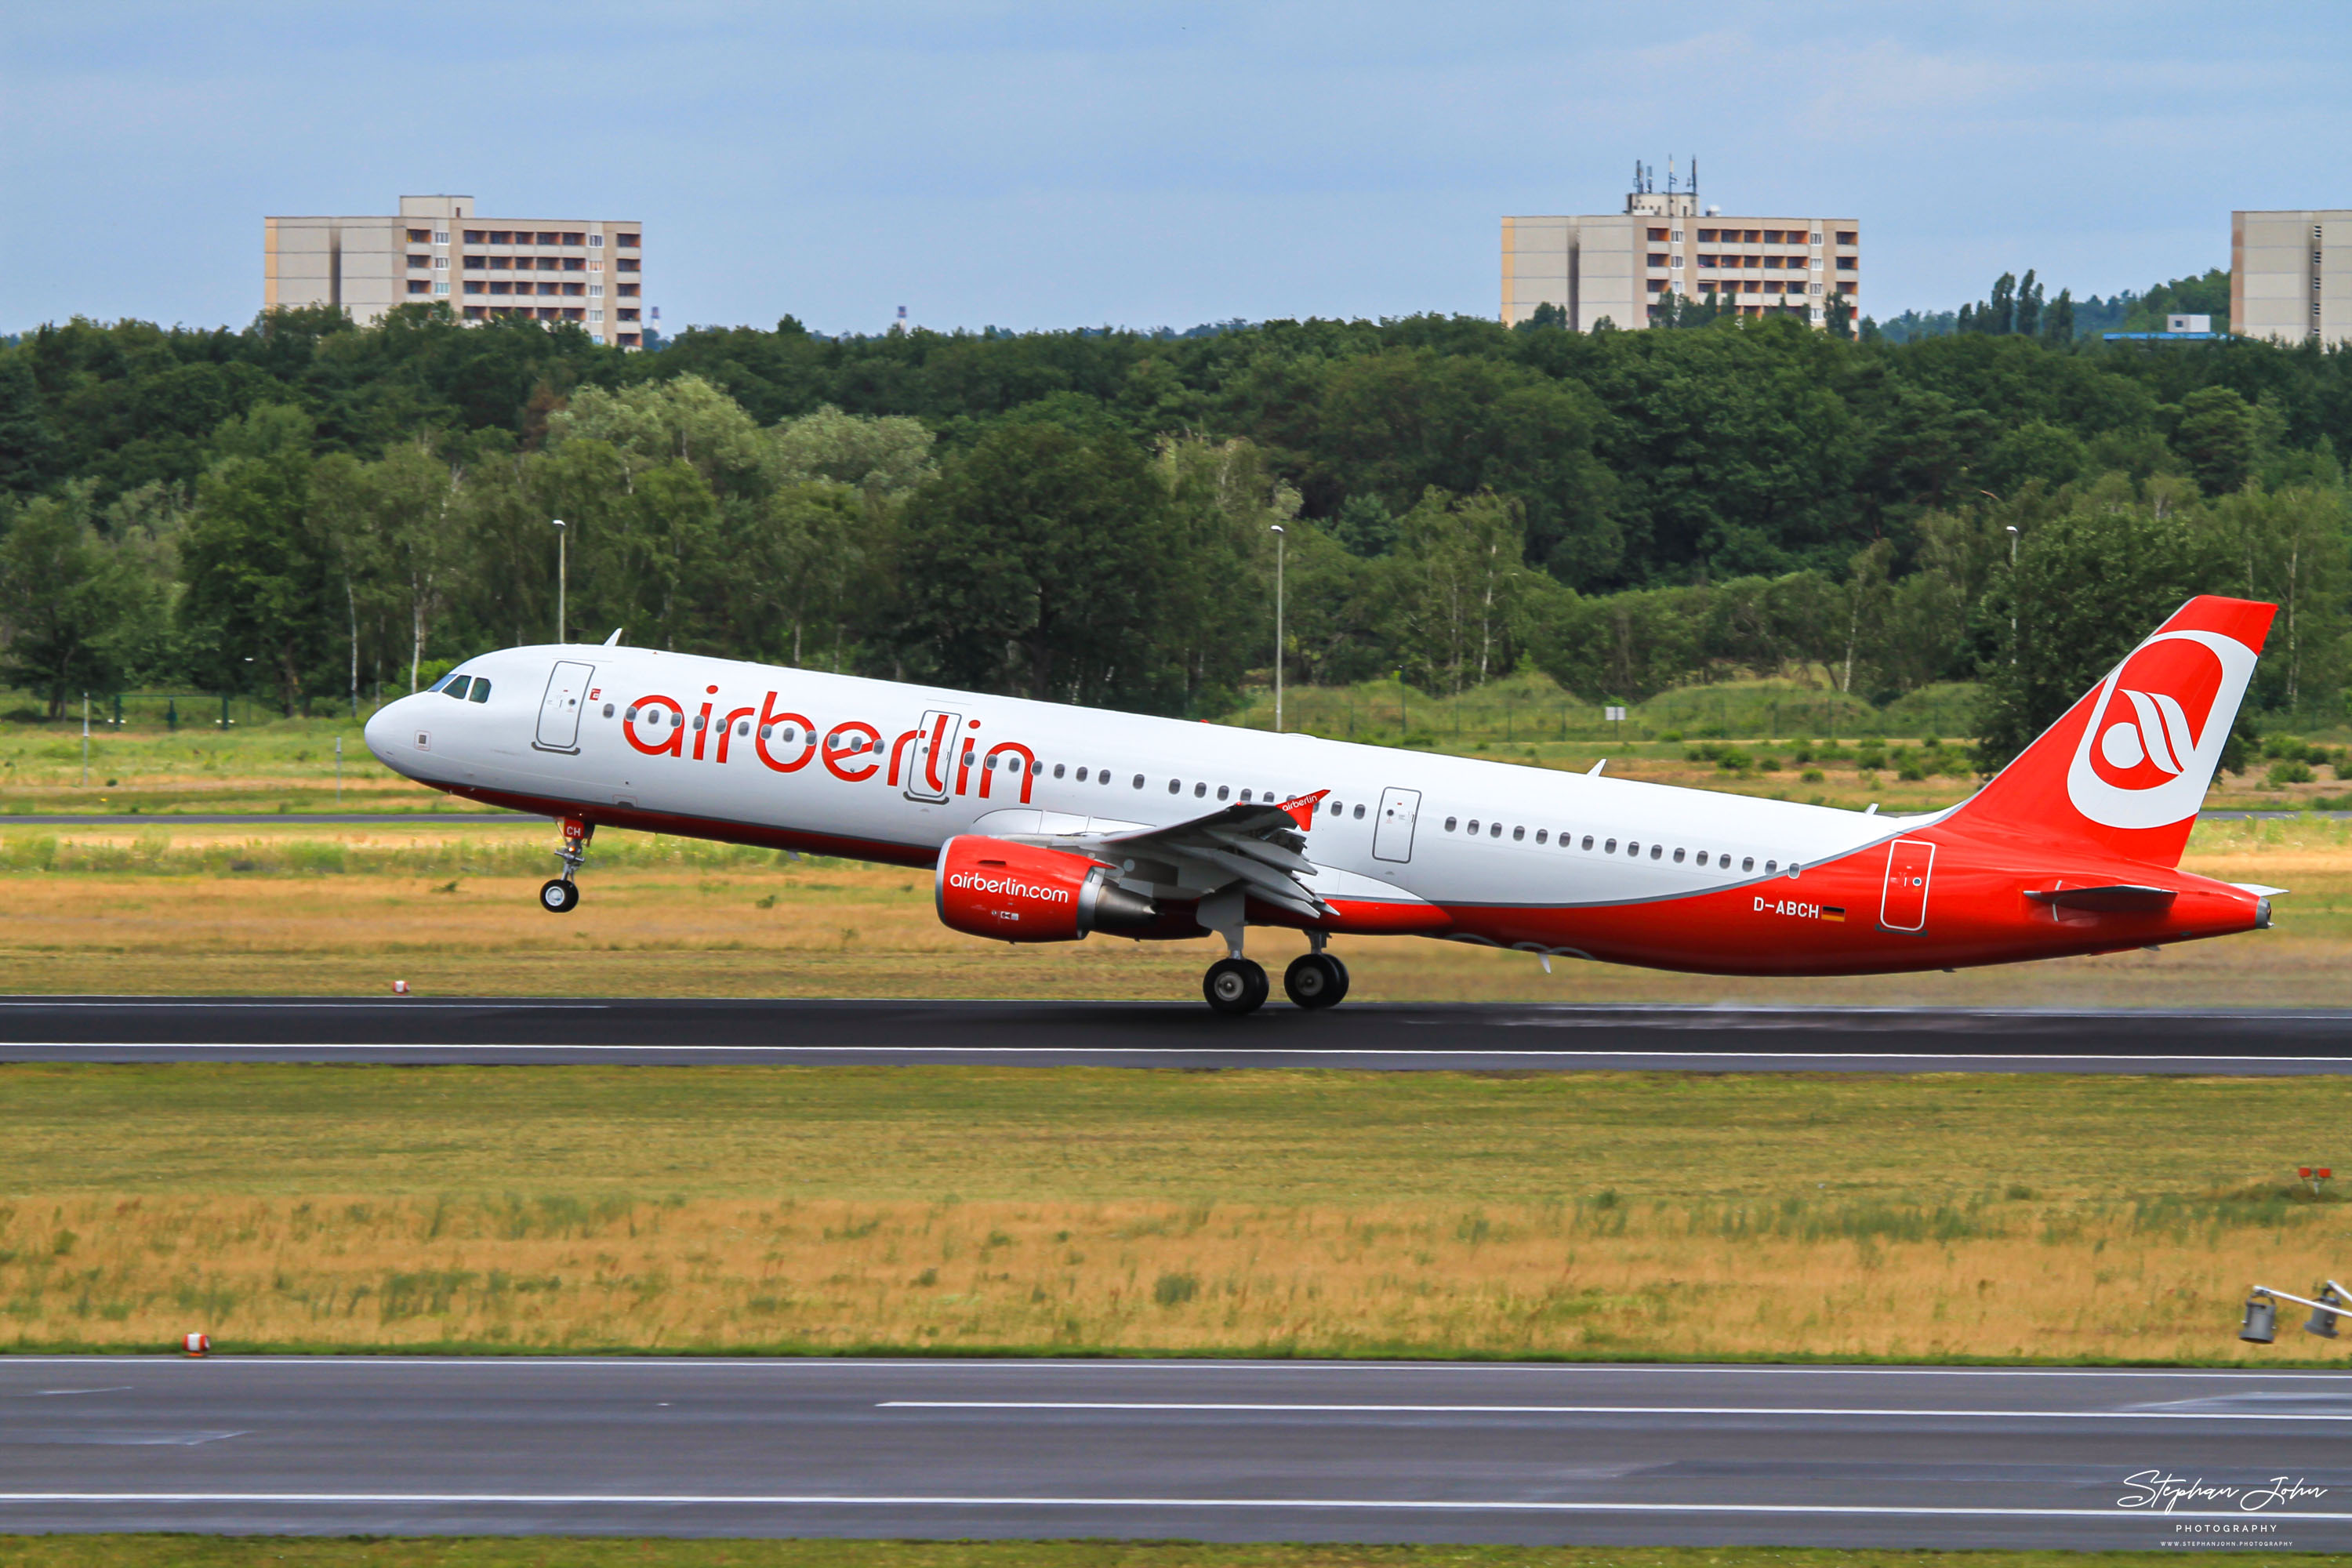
320 909
297 1552
1282 1212
1763 738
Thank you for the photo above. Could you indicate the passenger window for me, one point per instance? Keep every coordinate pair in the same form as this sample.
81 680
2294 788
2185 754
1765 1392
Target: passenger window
1494 831
1518 835
1748 864
1102 776
1631 849
1359 814
1770 867
1139 780
742 729
1199 790
1588 842
608 710
1245 795
1223 792
456 687
1607 848
481 691
1336 808
631 715
767 732
1473 827
991 763
1678 857
1658 849
1702 857
1057 773
1174 786
1451 823
1540 834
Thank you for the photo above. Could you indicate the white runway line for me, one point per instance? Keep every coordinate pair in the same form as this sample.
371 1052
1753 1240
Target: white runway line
1816 1411
904 1501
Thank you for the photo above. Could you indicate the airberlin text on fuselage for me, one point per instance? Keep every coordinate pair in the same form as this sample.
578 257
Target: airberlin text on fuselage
941 758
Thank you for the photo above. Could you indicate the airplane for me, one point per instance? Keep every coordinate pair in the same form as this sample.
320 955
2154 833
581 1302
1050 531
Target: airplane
1043 822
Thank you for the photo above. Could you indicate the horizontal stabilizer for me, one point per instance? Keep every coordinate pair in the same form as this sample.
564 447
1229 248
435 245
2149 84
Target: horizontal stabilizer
2122 899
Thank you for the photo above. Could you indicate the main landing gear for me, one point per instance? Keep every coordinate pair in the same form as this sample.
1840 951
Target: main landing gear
560 895
1313 980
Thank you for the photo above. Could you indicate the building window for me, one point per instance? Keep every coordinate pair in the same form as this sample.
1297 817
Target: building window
575 263
501 286
575 287
628 290
501 263
1773 261
546 287
1846 263
440 264
625 241
476 237
624 315
473 286
441 289
440 236
1677 261
1657 259
545 263
595 267
547 237
628 340
1817 237
595 242
627 264
1752 237
595 290
476 263
550 312
1678 236
418 236
1817 287
502 236
1847 236
573 315
420 262
476 313
1771 237
418 286
1657 285
575 239
1656 235
596 315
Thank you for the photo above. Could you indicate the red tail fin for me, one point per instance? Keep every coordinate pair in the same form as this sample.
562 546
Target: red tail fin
2128 765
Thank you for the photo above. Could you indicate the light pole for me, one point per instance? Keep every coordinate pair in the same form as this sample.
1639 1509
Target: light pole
2013 537
562 570
1281 539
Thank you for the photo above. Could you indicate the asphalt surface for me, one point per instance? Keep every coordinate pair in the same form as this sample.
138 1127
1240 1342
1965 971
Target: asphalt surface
1388 1036
1233 1451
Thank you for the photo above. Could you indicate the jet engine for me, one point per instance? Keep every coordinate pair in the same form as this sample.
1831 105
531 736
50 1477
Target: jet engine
1022 892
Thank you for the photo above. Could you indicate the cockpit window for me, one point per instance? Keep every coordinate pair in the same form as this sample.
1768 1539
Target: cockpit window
456 686
481 690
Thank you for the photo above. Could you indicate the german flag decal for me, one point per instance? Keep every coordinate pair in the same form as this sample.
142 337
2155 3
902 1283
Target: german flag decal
1832 912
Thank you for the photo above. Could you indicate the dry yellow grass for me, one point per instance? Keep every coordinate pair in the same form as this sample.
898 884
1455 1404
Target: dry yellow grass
132 907
2014 1280
1300 1213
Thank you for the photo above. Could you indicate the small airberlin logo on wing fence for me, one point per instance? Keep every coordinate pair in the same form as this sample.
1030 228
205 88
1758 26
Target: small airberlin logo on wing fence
2157 729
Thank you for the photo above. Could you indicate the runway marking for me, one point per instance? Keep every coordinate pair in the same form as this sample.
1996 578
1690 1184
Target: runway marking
1386 1505
1262 1053
1829 1411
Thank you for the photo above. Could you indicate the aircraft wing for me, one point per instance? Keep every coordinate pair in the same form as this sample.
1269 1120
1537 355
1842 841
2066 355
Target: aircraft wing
1259 847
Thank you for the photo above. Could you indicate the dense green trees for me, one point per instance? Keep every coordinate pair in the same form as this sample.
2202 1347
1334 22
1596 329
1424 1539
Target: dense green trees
310 510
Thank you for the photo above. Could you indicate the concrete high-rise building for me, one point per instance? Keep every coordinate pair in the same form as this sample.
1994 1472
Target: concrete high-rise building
1624 267
440 250
2291 275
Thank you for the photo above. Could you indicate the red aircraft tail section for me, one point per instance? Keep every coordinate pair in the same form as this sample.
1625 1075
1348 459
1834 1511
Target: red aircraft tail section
2127 767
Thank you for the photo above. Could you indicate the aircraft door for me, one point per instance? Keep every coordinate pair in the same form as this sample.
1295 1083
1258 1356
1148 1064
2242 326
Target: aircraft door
928 765
1393 835
559 710
1902 903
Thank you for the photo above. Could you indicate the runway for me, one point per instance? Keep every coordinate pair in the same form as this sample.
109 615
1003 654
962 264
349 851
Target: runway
1233 1451
1494 1037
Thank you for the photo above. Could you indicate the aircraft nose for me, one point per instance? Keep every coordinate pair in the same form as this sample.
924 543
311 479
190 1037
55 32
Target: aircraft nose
383 725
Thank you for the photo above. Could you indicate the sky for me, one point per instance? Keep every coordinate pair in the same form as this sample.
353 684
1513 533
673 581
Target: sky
1055 165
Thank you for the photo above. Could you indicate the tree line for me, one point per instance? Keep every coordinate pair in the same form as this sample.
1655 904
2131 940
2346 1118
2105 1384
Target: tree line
317 513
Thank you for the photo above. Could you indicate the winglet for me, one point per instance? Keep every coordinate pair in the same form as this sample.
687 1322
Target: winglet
1302 808
615 640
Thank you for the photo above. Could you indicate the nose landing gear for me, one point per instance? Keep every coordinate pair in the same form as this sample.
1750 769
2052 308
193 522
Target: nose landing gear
560 895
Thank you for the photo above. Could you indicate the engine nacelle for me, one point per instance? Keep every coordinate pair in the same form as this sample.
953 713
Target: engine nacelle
1021 893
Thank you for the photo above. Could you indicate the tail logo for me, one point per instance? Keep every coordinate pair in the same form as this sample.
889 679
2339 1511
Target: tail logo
2157 729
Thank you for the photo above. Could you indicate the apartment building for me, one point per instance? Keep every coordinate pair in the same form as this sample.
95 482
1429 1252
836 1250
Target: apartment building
441 250
2291 275
1625 267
